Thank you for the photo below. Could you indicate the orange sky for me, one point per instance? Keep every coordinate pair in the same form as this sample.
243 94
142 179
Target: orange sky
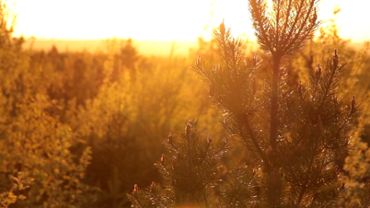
170 20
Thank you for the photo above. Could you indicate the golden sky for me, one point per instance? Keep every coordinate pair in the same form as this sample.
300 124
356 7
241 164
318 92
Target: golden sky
170 20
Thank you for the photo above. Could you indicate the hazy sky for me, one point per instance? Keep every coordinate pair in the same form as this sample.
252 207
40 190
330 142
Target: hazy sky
160 19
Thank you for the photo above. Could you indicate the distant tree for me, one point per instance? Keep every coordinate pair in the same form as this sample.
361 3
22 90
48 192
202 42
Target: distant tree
126 59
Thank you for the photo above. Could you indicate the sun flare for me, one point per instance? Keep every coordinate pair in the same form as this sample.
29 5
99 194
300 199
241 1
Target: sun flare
160 20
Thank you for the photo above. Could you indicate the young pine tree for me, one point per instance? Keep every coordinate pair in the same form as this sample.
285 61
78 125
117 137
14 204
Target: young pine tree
295 131
281 33
190 168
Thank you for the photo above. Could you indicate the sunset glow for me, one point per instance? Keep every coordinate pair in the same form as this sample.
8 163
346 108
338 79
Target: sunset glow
184 103
160 19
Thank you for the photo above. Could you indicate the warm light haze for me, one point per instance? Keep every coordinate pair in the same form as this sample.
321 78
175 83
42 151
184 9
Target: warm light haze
169 20
184 103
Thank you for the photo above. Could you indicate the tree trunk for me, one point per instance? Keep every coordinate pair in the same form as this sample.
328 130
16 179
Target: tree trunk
273 176
274 122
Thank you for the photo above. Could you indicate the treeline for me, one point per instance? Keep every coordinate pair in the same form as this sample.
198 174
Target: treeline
119 129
